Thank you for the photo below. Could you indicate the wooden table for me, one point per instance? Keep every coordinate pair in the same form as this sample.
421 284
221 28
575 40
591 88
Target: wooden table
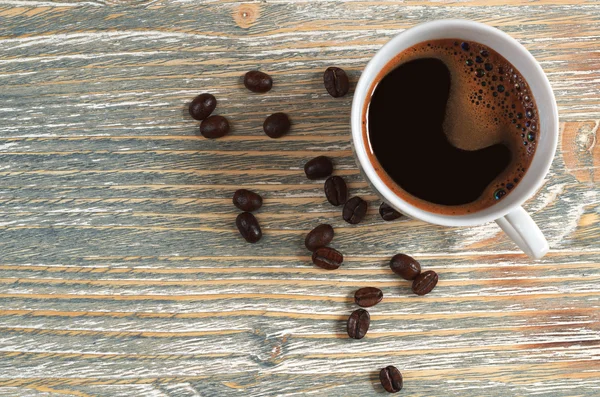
122 273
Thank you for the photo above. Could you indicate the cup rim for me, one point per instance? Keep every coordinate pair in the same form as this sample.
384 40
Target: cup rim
542 161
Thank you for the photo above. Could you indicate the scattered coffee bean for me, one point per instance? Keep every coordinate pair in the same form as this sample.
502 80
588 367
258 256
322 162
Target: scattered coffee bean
336 82
319 167
257 81
368 296
276 125
214 127
358 324
391 379
248 227
319 237
388 213
354 210
425 282
336 190
202 106
405 266
327 258
247 200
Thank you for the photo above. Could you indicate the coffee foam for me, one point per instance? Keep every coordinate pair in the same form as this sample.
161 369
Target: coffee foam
489 103
466 125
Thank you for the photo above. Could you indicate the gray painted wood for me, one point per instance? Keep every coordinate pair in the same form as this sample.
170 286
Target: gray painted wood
122 274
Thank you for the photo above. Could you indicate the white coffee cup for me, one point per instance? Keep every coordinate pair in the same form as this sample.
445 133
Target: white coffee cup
508 212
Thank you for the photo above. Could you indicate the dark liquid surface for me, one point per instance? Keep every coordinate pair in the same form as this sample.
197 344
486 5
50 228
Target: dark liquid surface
406 118
417 120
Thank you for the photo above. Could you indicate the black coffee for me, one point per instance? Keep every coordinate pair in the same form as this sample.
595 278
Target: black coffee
319 237
368 296
391 379
354 210
405 266
358 324
336 81
336 190
247 200
425 282
327 258
257 81
248 227
319 167
453 124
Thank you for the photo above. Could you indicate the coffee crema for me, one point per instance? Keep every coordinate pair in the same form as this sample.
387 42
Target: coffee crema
451 126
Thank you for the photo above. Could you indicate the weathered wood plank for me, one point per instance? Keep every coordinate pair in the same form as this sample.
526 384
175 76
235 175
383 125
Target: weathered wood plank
176 144
163 80
424 384
121 272
149 234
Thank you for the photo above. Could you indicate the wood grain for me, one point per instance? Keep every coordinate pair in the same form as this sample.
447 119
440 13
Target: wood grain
122 274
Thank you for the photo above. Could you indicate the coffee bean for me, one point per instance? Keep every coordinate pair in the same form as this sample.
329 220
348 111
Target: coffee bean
354 210
202 106
276 125
257 81
405 266
425 282
248 227
319 237
391 379
358 324
214 127
319 167
368 296
247 200
327 258
336 82
336 190
388 213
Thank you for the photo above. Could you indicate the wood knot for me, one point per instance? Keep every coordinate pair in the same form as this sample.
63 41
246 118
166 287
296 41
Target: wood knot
246 14
581 151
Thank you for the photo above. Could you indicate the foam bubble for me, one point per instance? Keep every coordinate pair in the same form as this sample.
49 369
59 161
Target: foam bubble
470 126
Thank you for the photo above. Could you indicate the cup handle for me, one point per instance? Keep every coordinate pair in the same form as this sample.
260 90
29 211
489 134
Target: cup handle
524 232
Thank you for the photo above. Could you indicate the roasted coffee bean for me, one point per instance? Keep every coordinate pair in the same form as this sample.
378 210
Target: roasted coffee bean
202 106
319 237
319 167
336 82
391 379
327 258
405 266
214 127
358 324
368 296
248 227
336 190
388 213
354 210
247 200
425 282
257 81
276 125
